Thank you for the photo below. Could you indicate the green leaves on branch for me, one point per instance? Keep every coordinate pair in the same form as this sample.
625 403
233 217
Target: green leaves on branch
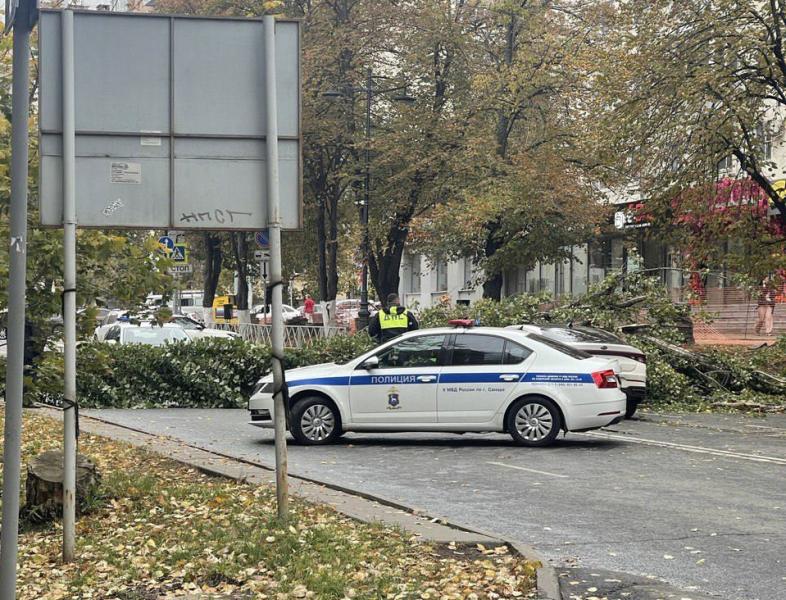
206 373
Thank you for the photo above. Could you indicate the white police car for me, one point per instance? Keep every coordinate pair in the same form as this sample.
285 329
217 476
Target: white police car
454 380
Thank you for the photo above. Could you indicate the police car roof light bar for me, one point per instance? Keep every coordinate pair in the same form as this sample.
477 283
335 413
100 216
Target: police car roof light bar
461 322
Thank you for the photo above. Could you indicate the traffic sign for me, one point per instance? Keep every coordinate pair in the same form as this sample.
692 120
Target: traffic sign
181 269
262 238
262 254
133 167
180 253
166 245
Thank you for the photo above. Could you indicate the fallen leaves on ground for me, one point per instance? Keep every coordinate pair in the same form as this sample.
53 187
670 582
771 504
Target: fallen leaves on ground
162 530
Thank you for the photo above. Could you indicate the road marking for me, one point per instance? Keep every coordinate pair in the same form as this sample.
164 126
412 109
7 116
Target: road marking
687 448
499 464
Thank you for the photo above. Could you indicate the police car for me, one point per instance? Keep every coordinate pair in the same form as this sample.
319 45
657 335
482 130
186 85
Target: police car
457 380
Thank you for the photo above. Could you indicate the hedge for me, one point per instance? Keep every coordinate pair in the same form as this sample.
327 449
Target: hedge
206 373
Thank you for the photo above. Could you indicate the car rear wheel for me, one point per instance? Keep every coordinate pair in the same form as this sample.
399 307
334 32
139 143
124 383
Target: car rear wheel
315 421
534 422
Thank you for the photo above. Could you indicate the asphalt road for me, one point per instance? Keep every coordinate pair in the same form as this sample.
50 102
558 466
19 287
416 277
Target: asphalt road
696 501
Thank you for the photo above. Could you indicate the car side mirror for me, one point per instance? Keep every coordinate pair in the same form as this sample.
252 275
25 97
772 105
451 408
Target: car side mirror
372 362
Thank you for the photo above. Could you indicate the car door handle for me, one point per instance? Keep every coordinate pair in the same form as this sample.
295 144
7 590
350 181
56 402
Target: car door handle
509 377
427 378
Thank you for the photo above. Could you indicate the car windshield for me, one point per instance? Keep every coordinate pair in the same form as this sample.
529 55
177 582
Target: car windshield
581 335
186 323
559 346
153 336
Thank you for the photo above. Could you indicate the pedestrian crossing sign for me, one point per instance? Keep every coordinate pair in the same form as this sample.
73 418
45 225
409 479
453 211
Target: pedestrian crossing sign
179 254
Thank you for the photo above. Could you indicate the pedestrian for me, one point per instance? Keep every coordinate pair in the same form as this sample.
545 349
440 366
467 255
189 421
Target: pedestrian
765 306
391 321
308 308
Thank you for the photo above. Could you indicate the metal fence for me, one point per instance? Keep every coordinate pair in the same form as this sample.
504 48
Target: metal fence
295 336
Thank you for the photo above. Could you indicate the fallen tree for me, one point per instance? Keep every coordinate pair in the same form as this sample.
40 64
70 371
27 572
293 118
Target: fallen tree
639 309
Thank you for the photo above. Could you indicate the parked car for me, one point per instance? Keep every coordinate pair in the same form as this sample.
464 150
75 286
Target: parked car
145 334
632 361
194 329
263 316
452 379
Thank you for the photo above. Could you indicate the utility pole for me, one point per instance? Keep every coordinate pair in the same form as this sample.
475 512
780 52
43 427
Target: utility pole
22 20
363 313
277 313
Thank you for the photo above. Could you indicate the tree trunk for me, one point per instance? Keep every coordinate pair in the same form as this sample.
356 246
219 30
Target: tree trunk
492 287
44 486
213 260
384 270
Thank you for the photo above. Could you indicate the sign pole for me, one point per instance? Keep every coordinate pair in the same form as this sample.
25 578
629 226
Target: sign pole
12 448
274 223
69 288
177 300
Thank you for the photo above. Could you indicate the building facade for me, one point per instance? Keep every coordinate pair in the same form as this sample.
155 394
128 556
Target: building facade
626 247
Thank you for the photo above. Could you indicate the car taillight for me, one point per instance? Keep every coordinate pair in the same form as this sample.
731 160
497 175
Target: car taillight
605 379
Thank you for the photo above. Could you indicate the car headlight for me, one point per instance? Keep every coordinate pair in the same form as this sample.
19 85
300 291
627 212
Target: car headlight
263 387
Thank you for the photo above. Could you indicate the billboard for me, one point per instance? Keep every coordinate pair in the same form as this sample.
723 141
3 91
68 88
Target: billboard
170 121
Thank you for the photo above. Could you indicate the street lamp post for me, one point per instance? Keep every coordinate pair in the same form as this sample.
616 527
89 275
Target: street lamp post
370 91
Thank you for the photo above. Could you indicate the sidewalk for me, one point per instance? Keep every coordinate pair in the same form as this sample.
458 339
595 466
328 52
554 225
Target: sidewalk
352 504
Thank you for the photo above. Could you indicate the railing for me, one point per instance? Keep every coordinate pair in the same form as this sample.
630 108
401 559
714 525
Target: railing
295 336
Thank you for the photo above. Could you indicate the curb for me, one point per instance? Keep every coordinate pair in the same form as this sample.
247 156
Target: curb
548 587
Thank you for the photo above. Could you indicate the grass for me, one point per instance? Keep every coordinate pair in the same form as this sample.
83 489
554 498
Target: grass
163 530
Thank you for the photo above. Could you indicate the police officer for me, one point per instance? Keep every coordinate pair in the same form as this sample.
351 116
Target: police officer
392 321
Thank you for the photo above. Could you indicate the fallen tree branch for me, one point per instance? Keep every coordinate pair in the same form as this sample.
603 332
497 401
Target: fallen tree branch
751 406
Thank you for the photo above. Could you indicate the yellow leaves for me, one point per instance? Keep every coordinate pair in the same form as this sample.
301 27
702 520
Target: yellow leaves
182 533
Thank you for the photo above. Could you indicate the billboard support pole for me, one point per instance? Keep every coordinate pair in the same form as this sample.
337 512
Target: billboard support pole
274 224
69 289
12 447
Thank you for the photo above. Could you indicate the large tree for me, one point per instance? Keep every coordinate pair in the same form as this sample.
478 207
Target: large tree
527 195
418 151
691 92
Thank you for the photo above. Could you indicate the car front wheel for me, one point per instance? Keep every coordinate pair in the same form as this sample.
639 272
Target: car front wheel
315 421
534 422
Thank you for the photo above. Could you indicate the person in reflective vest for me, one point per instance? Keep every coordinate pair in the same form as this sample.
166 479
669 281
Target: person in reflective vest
392 321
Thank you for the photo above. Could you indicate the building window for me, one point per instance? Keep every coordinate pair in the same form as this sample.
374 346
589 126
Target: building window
414 273
468 274
441 272
726 164
765 139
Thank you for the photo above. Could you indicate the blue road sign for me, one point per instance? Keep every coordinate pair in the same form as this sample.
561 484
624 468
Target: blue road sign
180 253
166 245
262 238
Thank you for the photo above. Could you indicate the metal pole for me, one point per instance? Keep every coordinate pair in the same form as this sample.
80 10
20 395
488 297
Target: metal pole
16 301
177 301
263 277
274 224
363 313
69 285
